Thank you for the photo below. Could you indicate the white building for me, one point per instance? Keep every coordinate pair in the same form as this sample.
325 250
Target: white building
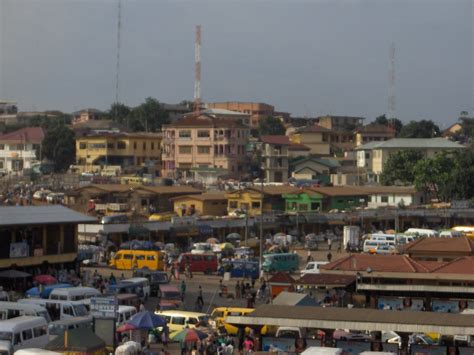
393 196
18 149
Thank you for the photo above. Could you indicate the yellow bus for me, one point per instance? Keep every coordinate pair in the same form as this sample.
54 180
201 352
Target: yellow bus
220 314
468 231
162 217
138 259
131 180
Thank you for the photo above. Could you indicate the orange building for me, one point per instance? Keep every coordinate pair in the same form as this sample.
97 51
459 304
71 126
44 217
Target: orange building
256 110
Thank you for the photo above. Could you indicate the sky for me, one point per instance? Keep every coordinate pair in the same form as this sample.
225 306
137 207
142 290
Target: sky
306 57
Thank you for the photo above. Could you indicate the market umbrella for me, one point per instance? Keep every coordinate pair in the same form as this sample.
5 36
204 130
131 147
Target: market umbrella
13 274
45 279
233 236
226 246
188 335
79 340
125 328
147 320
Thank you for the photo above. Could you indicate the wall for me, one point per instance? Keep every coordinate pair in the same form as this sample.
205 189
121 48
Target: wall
314 141
203 208
344 202
303 199
10 154
393 200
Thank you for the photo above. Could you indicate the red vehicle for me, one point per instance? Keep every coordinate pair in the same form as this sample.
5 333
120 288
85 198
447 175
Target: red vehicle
206 263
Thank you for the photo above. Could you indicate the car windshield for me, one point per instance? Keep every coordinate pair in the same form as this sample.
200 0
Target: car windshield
159 277
80 310
6 336
55 329
171 295
203 320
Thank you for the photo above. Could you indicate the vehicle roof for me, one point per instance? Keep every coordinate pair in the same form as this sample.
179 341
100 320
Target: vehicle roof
16 305
275 254
125 308
124 296
135 279
202 254
238 309
168 288
181 313
73 320
17 321
47 300
136 251
67 290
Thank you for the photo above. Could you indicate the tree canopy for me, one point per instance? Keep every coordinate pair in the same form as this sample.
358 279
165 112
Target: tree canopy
59 146
397 124
420 129
270 126
400 167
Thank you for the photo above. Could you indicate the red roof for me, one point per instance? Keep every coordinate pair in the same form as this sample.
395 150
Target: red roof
313 128
33 135
460 245
326 279
278 140
281 278
463 265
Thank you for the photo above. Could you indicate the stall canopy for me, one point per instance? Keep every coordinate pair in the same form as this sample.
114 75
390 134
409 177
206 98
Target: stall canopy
293 299
77 340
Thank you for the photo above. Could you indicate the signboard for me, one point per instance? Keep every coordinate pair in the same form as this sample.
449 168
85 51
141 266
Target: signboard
18 250
104 328
184 221
461 204
104 307
266 219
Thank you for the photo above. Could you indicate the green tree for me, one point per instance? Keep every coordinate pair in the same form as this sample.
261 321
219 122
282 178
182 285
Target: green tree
150 115
420 129
463 174
400 168
270 126
59 146
397 124
435 175
119 112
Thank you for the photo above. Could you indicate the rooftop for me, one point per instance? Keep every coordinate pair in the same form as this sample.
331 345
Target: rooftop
276 140
207 196
375 128
28 215
339 191
370 190
412 143
34 135
223 111
204 120
281 278
462 245
312 129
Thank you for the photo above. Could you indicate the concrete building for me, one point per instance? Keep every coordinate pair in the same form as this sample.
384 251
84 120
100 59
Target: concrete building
8 112
339 123
228 114
39 236
205 204
315 137
393 196
275 158
313 168
128 150
372 156
204 148
256 110
86 115
18 149
373 133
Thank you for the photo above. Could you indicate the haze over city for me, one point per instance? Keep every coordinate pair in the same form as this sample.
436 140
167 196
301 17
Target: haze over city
308 58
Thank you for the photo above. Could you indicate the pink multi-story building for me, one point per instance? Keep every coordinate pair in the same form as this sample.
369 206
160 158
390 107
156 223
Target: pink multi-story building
204 148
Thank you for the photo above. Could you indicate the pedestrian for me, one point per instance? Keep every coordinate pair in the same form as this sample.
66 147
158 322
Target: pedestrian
329 243
200 299
112 279
172 272
164 337
237 289
189 273
248 346
183 290
329 256
142 307
308 259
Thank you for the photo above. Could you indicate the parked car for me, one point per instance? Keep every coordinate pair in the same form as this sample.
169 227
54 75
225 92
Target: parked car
156 278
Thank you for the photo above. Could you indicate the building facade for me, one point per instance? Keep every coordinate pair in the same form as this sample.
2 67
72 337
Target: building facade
315 137
194 144
373 133
256 110
339 123
206 204
19 149
275 158
85 115
117 149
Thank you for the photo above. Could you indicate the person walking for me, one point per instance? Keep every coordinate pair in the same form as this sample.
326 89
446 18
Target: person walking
183 290
329 243
200 299
172 271
237 289
309 257
329 256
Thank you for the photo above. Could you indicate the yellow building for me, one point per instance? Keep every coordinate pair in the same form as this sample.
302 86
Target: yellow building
206 204
315 137
250 199
122 149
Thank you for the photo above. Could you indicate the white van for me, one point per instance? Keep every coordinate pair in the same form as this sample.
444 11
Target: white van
370 246
124 314
58 327
23 332
4 295
73 293
389 238
10 310
419 232
142 284
404 239
178 320
313 267
59 309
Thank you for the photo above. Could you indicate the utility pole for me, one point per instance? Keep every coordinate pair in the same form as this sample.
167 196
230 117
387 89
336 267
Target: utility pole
391 96
197 70
117 64
261 224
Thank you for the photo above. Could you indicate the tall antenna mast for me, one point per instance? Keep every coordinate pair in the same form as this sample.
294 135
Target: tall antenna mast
391 92
197 70
117 65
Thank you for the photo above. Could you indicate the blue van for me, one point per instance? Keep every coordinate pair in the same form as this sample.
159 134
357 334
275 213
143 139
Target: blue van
44 291
280 262
240 268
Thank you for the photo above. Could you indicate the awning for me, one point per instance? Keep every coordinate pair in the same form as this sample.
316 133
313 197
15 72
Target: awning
205 229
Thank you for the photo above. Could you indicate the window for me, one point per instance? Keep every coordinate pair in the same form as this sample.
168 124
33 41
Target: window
193 321
150 257
303 207
16 339
39 331
255 204
178 320
232 204
152 145
97 145
27 334
18 147
144 145
121 145
185 134
128 256
203 134
384 199
134 145
185 149
204 149
68 310
110 145
314 206
140 257
82 145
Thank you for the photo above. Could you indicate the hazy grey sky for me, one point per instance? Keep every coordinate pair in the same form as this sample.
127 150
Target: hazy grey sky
305 57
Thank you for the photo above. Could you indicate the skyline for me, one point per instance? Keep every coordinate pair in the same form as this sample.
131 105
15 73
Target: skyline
298 61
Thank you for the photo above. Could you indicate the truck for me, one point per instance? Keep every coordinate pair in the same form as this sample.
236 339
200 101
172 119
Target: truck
350 237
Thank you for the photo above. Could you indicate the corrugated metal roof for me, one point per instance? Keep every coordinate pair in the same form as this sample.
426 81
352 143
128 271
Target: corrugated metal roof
412 143
27 215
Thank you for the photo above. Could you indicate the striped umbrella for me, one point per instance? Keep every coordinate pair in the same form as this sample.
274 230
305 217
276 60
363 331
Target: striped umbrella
188 335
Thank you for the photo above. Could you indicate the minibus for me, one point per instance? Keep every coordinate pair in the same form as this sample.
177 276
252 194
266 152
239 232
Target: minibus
240 268
179 320
141 286
370 246
124 314
420 232
280 262
59 309
24 332
138 259
206 263
74 293
170 294
10 310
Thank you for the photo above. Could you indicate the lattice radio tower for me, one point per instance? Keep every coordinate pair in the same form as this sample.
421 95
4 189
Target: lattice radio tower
197 70
391 90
